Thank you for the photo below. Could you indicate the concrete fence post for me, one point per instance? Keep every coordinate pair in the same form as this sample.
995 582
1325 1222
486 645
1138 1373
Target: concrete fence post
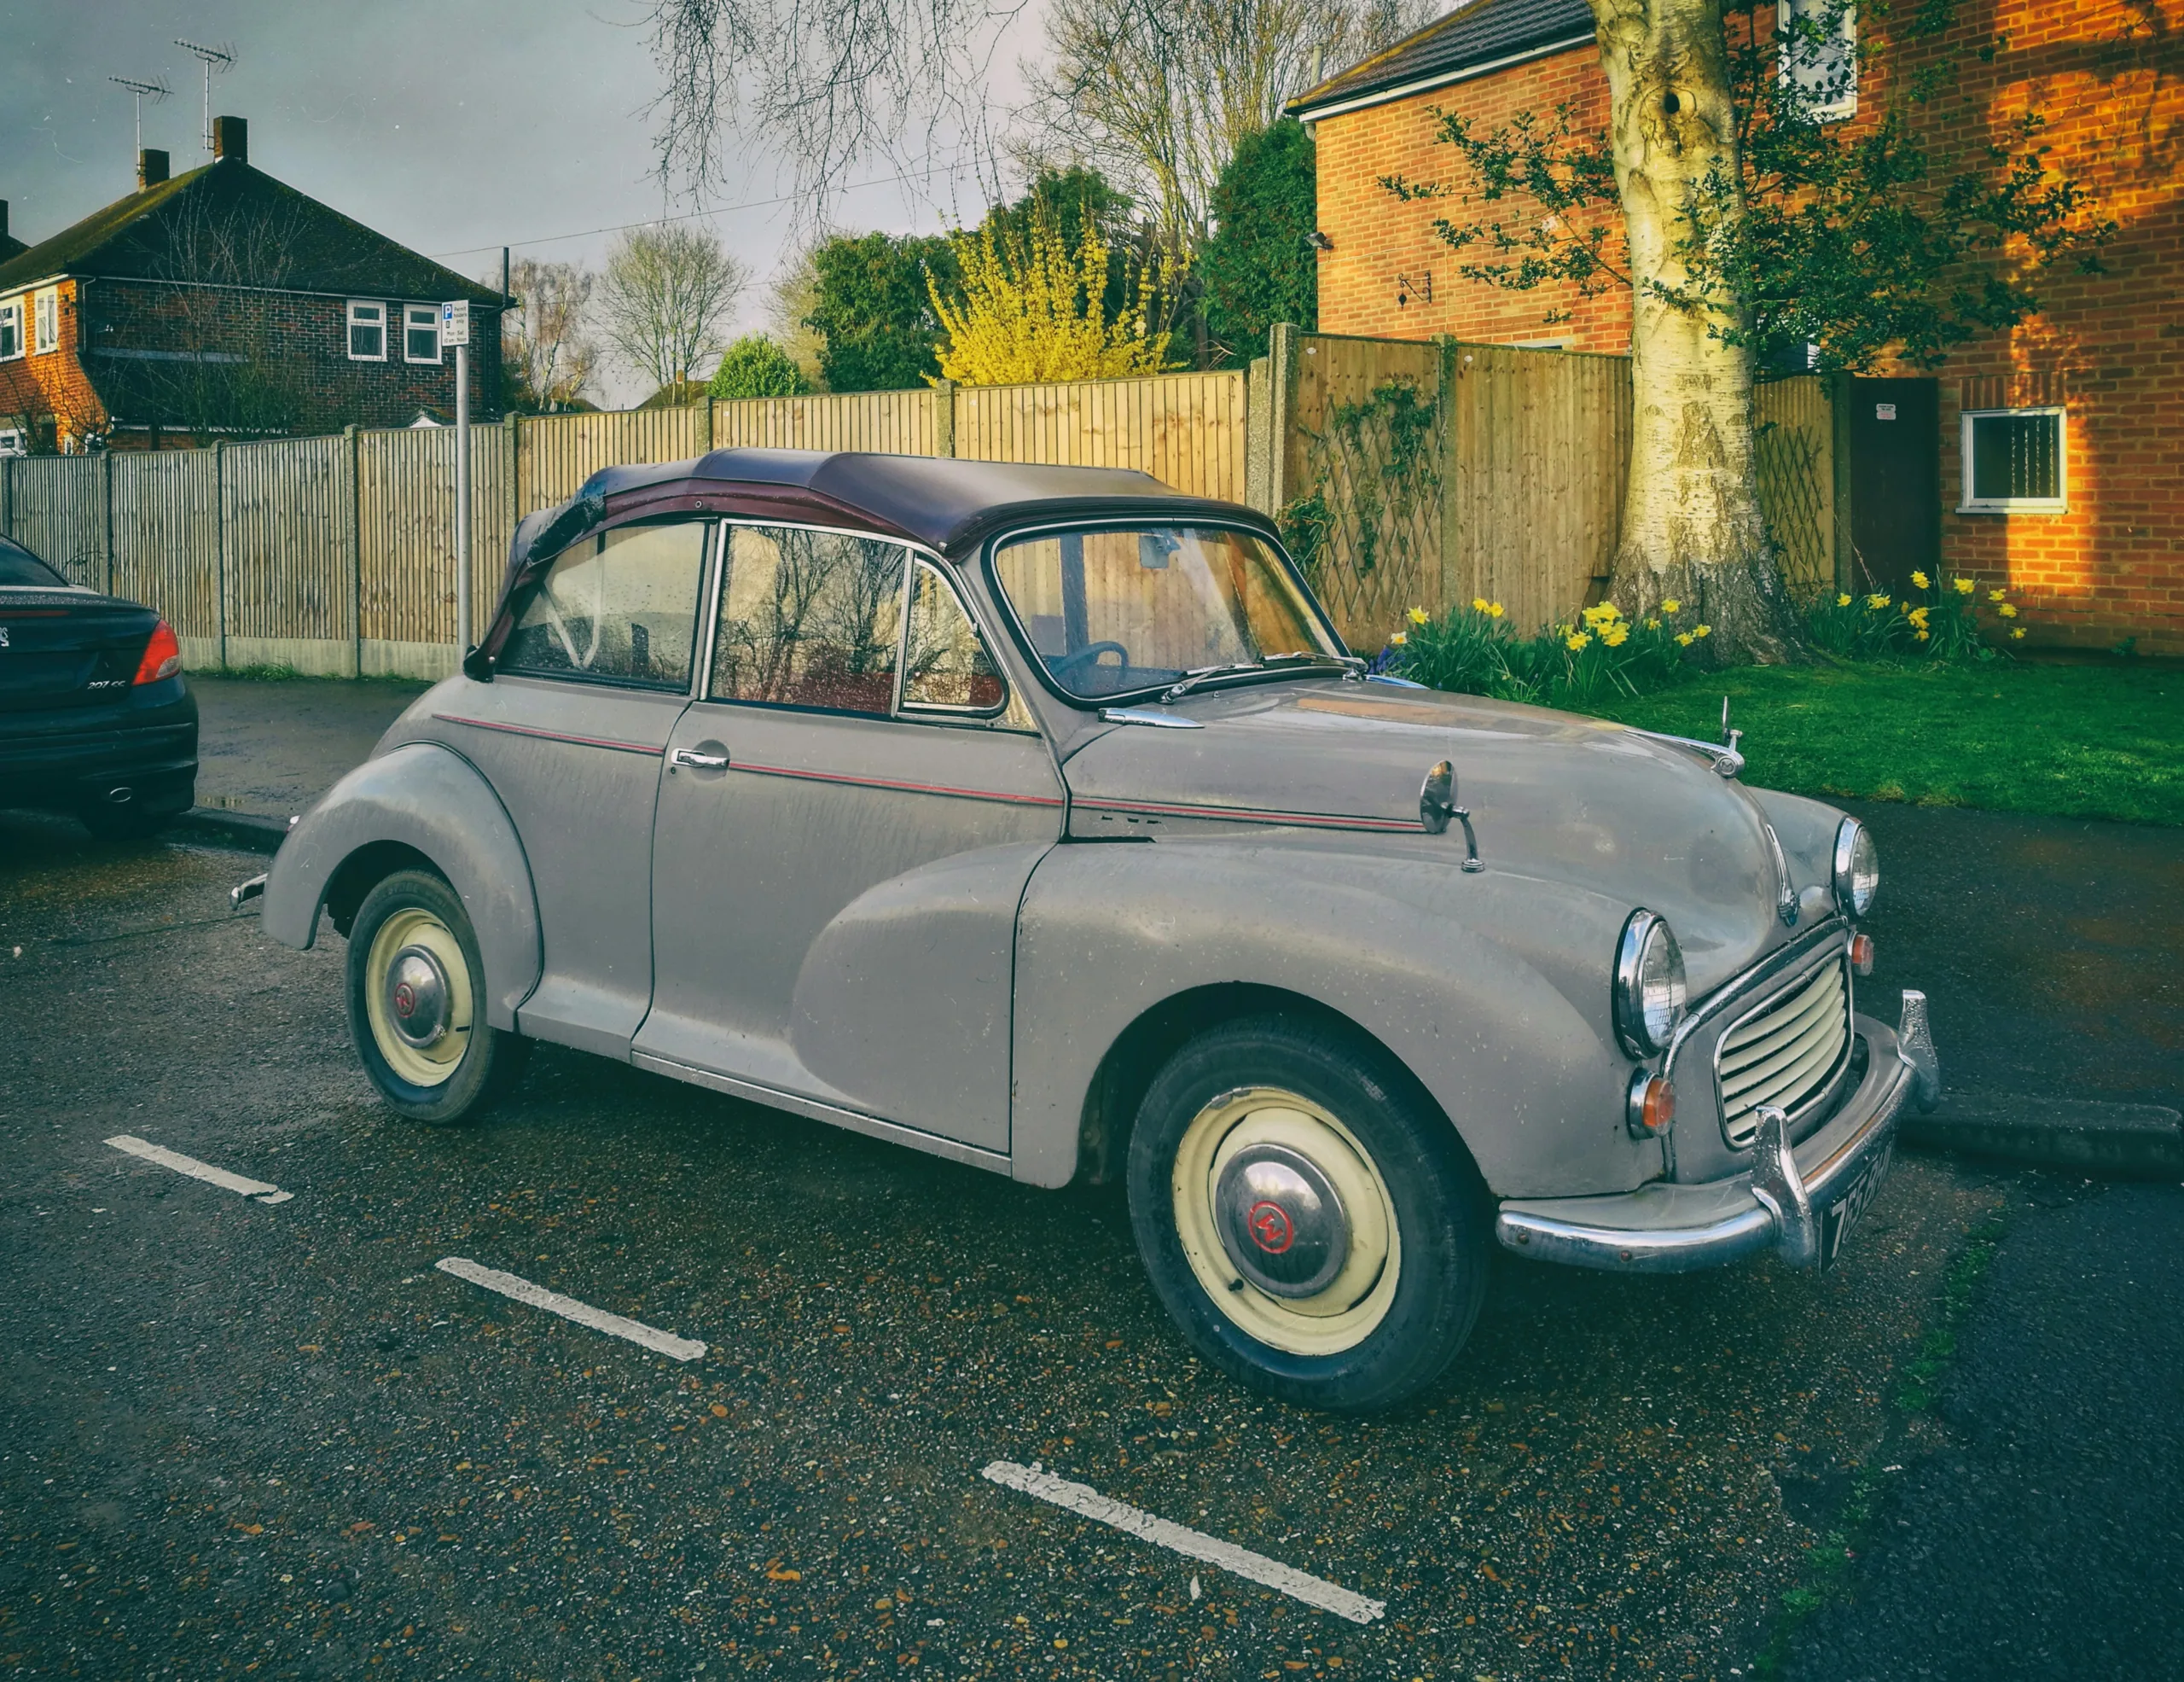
106 511
1282 391
1259 435
356 546
220 548
944 418
1839 417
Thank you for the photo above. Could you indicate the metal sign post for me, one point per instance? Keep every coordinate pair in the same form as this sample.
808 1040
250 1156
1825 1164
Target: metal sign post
454 329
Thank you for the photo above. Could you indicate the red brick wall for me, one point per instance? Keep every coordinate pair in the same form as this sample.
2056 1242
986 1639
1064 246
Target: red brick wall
305 336
49 389
2109 347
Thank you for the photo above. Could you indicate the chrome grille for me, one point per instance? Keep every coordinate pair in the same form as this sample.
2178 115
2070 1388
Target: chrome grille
1786 1053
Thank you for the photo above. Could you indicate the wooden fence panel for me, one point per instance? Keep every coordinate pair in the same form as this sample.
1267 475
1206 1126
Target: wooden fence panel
285 510
1541 452
59 514
1364 474
406 536
1186 430
167 536
1796 442
893 424
558 452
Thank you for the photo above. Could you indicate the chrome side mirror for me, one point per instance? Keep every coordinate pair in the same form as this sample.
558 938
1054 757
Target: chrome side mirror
1437 805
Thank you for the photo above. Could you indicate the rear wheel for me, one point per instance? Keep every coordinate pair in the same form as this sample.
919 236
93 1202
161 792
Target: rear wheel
1314 1227
417 1004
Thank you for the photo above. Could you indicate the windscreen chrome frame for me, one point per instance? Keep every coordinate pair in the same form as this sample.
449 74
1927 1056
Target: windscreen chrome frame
1022 636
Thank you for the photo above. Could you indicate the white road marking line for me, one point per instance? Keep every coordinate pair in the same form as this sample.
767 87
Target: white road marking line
1082 1498
196 1170
538 1296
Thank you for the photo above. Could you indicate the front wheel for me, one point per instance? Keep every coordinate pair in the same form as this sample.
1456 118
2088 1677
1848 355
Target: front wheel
1314 1227
418 1003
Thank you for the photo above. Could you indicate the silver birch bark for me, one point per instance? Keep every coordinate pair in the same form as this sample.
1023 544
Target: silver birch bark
1692 530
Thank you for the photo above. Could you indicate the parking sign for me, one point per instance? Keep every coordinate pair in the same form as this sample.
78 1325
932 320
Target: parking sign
454 322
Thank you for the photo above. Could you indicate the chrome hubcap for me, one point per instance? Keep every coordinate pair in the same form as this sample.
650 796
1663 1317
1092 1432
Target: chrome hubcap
1281 1220
416 997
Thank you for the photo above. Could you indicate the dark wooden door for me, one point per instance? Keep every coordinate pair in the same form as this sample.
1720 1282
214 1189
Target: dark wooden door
1896 482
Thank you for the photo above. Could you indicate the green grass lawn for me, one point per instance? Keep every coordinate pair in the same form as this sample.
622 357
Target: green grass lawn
2073 740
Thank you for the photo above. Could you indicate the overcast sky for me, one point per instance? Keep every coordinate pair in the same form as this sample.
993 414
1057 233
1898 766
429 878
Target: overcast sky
455 126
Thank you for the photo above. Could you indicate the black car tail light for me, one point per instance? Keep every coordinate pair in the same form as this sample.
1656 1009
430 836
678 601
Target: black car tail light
162 655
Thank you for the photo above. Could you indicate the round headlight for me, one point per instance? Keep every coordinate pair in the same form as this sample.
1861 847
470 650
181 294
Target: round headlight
1857 869
1649 987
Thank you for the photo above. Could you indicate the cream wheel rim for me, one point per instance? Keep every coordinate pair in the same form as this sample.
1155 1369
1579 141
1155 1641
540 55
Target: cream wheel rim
1317 1154
413 935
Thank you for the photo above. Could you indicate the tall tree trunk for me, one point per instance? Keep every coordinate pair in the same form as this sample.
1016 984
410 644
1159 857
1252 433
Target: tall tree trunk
1692 531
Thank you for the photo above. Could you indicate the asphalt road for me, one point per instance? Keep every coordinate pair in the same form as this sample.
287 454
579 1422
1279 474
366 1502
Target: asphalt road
241 1436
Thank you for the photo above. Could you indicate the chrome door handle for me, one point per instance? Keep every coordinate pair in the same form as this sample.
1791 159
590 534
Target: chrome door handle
698 761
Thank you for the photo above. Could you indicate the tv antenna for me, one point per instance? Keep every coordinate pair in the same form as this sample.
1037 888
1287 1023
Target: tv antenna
220 58
154 91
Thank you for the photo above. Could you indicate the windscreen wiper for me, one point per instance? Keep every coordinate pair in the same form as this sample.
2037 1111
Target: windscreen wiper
1190 679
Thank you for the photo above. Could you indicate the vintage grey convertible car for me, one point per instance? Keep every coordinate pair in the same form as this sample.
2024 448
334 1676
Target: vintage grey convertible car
1038 817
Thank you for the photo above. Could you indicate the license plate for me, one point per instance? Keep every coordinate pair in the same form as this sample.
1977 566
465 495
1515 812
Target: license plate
1835 1223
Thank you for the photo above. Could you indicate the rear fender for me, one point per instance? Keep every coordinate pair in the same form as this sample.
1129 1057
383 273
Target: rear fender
420 802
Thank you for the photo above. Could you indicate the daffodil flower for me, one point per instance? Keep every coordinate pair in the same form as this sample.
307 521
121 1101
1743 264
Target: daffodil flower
1876 602
1921 580
2017 634
1996 594
1576 642
1683 639
1652 625
1494 611
1966 587
1417 616
1616 635
1923 635
1842 601
1671 606
1478 604
1397 640
1702 631
2007 610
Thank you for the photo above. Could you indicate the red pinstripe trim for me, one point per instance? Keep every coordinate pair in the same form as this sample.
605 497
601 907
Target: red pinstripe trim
1238 814
553 736
888 782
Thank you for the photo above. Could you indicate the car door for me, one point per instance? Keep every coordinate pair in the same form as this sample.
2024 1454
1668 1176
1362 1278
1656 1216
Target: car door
571 732
850 811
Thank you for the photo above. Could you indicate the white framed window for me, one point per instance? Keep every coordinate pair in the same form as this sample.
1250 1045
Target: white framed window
420 333
1819 44
14 441
46 310
11 330
2016 461
366 331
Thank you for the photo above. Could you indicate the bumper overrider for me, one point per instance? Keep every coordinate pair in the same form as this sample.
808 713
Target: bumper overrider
1784 1203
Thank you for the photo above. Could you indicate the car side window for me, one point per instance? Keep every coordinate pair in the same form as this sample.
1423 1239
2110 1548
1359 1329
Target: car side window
945 665
621 607
809 618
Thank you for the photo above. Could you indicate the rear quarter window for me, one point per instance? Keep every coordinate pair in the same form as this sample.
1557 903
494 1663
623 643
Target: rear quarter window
18 566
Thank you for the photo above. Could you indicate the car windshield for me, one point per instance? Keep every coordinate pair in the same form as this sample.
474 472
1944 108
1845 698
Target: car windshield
18 566
1112 611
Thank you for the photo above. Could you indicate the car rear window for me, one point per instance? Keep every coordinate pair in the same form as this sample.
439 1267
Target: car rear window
621 607
19 566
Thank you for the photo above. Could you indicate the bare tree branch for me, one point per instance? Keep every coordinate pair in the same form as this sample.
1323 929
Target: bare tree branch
666 293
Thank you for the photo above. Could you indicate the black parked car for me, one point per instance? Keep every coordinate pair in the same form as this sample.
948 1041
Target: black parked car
94 717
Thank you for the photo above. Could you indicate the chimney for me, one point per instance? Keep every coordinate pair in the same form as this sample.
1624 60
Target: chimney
231 139
151 167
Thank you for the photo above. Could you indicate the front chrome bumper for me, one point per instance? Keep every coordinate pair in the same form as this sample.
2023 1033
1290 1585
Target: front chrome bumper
1781 1203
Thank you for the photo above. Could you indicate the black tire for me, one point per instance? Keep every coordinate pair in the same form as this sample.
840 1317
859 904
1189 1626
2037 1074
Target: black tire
482 1063
130 823
1429 1191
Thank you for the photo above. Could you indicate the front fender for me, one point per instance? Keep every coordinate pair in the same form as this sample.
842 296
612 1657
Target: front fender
424 797
1490 988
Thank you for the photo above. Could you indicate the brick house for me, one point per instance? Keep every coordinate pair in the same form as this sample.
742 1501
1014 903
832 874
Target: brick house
222 302
2051 458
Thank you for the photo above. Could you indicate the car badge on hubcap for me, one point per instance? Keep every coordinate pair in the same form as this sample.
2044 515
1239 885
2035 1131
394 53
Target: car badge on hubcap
1281 1220
1270 1228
